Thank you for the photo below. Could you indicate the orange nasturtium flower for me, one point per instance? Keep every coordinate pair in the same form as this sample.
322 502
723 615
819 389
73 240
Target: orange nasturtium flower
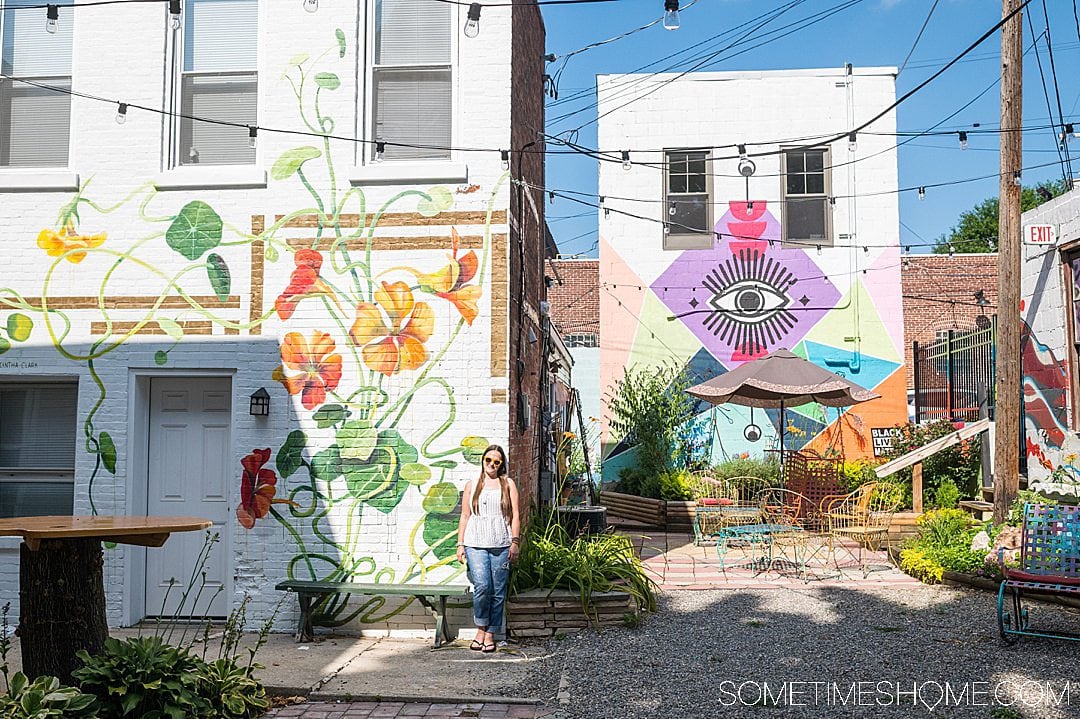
449 283
56 244
393 330
319 368
304 282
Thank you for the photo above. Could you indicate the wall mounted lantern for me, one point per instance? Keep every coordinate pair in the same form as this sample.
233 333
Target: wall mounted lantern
260 403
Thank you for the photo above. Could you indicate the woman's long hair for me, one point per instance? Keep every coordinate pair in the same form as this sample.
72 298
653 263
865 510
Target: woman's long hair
504 485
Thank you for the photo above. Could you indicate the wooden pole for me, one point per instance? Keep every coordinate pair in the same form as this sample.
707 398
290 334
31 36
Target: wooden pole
1007 412
916 488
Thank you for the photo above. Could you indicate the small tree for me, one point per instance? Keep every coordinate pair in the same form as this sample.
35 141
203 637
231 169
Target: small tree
978 227
650 409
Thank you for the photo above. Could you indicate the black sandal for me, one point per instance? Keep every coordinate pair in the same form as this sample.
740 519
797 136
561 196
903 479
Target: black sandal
476 645
489 648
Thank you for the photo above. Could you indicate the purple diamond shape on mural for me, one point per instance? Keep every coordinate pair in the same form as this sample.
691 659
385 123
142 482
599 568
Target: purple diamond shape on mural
748 295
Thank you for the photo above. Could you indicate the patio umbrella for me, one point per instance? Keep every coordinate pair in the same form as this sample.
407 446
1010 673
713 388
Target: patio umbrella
781 379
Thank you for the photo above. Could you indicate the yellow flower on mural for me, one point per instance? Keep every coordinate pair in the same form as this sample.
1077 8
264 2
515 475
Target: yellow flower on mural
450 282
59 244
396 345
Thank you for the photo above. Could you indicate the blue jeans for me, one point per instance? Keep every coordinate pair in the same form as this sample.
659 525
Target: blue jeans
489 572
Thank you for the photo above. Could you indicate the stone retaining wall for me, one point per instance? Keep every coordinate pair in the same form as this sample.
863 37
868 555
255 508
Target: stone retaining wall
544 613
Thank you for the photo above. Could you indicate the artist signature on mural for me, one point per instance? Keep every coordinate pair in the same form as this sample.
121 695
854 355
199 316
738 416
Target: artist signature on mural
13 364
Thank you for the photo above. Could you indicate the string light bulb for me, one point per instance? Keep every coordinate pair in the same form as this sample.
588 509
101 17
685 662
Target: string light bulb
253 134
505 155
311 5
52 19
852 142
671 210
963 140
626 164
671 14
380 150
472 21
1069 128
174 14
922 193
121 113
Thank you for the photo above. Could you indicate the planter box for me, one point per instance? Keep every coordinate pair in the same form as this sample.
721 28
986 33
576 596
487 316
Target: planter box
545 613
902 527
680 515
650 512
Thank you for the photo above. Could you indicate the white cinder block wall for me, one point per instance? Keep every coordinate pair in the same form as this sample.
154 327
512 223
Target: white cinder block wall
120 53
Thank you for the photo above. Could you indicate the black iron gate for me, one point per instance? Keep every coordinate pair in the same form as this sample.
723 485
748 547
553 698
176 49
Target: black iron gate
954 375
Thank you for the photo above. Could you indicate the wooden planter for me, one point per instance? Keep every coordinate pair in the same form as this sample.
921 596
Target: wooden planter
650 512
545 613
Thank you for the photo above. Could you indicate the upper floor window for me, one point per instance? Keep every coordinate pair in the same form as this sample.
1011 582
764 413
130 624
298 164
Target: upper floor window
411 79
218 81
687 210
806 198
37 448
35 123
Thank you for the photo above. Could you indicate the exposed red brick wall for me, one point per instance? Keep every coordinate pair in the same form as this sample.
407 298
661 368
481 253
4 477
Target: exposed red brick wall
527 233
939 294
575 296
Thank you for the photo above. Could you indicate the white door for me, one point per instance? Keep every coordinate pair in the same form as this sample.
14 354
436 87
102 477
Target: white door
189 475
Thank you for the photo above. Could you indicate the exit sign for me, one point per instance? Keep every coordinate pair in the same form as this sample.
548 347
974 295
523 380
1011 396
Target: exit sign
1040 235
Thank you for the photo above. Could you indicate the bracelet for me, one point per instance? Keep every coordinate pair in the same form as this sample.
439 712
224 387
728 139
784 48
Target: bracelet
515 540
460 544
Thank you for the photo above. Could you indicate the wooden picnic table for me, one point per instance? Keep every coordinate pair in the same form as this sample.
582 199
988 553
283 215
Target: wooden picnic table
61 584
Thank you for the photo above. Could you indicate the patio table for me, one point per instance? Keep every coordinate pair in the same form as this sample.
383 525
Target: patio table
757 535
61 585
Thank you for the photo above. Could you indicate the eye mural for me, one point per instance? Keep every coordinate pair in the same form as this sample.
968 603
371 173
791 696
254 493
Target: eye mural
747 296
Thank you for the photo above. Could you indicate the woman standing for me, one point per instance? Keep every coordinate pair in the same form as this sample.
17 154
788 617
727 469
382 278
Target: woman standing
488 540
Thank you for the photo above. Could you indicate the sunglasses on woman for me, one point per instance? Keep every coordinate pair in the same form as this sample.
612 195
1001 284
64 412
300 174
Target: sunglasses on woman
493 462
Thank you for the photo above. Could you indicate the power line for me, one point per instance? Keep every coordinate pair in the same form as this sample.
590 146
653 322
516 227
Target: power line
1067 167
917 38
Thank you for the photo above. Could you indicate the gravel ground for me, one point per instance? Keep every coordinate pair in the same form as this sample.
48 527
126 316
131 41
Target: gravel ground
711 653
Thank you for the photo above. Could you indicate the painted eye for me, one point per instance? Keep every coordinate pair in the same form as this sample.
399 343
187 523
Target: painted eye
749 301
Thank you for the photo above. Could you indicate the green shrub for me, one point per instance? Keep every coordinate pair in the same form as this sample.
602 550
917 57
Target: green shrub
915 562
947 495
943 543
858 472
45 698
674 486
1025 496
941 528
764 469
649 408
553 559
959 464
232 691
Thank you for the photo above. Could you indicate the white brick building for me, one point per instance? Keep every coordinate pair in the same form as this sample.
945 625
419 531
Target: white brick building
161 271
703 263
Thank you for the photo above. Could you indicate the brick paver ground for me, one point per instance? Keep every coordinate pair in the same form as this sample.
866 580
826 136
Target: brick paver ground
414 710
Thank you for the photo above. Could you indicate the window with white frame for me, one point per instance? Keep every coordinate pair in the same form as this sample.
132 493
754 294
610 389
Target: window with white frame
807 223
412 79
687 201
37 448
35 121
218 81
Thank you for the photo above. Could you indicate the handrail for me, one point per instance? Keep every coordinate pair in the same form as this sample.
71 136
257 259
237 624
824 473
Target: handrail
918 455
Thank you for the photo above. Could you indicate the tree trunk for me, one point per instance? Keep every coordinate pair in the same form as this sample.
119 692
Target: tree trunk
61 605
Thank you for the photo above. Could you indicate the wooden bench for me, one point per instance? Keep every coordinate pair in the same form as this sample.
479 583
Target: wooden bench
432 596
1049 565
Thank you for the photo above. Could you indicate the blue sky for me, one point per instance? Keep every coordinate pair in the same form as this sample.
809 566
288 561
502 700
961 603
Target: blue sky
868 33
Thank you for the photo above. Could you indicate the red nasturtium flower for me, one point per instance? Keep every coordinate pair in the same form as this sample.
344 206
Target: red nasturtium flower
257 488
304 282
450 283
319 367
393 330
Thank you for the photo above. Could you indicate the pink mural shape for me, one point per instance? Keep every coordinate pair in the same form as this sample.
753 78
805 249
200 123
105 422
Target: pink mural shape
747 296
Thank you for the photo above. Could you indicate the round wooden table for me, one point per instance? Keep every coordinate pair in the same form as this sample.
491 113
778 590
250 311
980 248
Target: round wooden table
61 584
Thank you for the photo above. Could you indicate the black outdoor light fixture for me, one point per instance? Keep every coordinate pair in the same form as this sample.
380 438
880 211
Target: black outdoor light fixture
260 403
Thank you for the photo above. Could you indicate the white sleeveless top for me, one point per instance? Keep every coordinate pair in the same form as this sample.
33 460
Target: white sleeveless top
487 528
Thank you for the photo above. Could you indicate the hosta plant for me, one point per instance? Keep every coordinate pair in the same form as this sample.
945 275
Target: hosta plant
45 698
232 690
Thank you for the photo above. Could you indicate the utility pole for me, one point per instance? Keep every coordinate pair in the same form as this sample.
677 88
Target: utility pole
1007 413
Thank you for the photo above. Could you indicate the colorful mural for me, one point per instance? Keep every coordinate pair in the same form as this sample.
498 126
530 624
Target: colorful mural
715 309
1051 449
370 333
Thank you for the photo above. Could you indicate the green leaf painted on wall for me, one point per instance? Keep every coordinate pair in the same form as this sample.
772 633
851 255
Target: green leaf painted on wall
299 59
377 480
438 200
415 473
195 231
441 498
19 326
161 357
291 160
329 414
171 328
440 532
444 464
327 80
326 465
4 345
474 449
291 455
357 439
220 277
340 35
107 452
271 254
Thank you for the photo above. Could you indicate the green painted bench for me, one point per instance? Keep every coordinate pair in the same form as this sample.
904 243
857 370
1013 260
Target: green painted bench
432 596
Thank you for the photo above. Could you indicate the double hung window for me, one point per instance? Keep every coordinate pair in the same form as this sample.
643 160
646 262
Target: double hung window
35 121
687 213
218 81
806 198
37 448
411 79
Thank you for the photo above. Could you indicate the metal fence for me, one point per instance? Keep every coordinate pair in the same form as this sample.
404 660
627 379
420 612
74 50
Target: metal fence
955 374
